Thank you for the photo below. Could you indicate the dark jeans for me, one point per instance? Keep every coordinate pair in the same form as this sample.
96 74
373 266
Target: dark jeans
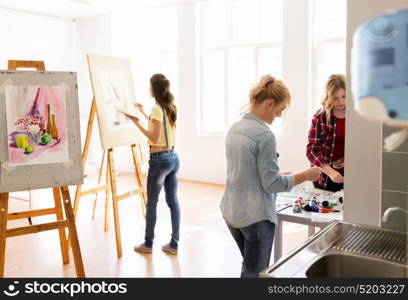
255 243
163 167
330 186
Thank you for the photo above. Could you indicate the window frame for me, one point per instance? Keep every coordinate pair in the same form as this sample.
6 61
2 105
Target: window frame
316 45
230 45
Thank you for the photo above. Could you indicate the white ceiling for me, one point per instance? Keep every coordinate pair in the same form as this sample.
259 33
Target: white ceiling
81 8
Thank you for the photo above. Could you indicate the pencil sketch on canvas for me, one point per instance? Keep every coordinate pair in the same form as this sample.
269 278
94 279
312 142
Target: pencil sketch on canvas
116 96
113 89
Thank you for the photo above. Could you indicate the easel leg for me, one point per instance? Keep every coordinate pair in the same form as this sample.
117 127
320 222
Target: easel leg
139 179
143 178
85 152
62 234
76 199
108 195
112 177
76 250
30 205
99 182
3 230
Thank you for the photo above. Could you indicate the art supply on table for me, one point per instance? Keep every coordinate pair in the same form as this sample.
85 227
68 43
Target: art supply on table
323 202
307 207
338 164
297 208
328 204
327 210
314 207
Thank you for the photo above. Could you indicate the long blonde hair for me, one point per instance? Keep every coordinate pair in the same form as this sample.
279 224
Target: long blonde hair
269 88
335 83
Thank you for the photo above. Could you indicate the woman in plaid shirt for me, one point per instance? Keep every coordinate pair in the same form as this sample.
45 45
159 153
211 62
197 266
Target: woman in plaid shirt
326 136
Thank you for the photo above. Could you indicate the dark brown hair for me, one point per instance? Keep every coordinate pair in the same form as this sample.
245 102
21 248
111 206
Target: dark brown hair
161 92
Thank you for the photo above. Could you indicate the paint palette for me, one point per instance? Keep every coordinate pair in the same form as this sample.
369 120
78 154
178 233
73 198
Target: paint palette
338 164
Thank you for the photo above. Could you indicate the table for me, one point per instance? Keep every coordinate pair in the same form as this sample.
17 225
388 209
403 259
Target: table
283 202
311 219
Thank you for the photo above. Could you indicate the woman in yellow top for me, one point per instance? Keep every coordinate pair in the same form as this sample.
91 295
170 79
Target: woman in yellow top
164 163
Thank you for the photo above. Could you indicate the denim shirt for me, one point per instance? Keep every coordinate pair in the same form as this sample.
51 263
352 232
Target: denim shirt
253 177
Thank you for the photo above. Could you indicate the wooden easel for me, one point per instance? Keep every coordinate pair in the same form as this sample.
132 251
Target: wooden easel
60 224
110 186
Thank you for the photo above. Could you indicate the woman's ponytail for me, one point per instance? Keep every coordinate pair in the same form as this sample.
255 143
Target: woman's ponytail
161 92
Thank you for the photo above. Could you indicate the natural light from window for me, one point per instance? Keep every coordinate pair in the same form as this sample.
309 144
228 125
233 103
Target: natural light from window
239 41
329 44
151 47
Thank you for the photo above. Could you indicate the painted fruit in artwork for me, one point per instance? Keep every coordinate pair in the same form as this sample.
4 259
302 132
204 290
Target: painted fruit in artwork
29 149
46 139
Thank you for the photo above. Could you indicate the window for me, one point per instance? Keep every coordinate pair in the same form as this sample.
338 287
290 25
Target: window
329 44
149 38
238 42
150 46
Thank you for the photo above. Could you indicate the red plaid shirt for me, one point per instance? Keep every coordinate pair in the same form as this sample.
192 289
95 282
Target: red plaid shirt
320 148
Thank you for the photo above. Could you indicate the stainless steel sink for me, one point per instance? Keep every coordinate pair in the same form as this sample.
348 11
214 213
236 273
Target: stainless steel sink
346 250
341 265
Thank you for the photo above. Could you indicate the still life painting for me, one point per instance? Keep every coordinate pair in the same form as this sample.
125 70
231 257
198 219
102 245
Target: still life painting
36 125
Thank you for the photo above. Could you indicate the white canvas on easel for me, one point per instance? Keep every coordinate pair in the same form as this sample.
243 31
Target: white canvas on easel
113 90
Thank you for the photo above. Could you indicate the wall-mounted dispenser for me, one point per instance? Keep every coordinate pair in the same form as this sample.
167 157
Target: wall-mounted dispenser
379 73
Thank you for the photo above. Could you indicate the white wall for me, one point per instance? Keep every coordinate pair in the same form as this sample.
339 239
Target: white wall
202 157
93 36
296 72
26 36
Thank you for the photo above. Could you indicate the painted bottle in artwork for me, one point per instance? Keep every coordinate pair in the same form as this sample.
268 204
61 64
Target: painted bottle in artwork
53 128
49 119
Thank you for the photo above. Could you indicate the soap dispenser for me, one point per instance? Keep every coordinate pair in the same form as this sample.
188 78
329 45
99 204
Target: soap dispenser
379 73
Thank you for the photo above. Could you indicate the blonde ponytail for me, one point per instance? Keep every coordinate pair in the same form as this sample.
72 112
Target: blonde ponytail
269 88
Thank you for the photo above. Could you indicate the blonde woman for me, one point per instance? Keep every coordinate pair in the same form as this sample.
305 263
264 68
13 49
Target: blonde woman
253 179
326 135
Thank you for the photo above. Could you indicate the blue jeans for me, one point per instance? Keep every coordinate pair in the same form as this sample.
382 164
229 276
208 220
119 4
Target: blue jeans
255 243
163 167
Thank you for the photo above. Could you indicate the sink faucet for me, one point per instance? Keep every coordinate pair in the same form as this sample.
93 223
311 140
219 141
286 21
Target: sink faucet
390 210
